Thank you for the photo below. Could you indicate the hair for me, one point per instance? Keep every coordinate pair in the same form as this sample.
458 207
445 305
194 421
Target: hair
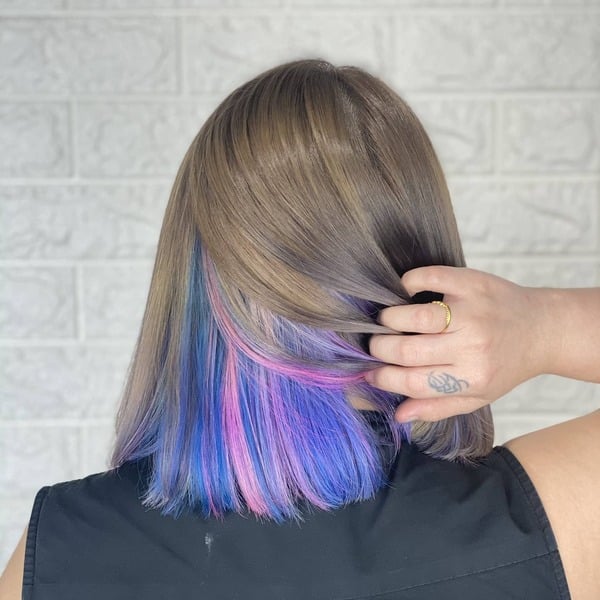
298 206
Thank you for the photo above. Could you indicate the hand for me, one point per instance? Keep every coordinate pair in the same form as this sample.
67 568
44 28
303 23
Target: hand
495 341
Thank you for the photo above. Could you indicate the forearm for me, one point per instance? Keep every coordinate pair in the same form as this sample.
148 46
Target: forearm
569 331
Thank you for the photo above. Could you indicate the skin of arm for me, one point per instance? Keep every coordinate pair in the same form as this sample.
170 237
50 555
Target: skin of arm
573 332
11 580
562 461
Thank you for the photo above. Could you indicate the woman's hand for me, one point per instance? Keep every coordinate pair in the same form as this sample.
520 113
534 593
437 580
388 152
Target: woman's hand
497 338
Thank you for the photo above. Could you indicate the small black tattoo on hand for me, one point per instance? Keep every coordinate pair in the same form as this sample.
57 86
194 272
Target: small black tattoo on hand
446 383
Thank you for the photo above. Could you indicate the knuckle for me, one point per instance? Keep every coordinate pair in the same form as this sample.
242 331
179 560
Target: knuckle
488 374
484 286
477 381
423 318
407 353
435 277
481 344
413 384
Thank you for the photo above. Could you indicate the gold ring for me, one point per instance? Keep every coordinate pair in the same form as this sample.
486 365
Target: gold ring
448 313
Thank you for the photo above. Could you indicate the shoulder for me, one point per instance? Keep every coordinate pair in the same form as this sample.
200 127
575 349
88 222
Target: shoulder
562 462
65 503
77 506
487 499
123 481
21 563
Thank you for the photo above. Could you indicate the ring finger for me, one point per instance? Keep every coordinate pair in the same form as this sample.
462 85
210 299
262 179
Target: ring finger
412 350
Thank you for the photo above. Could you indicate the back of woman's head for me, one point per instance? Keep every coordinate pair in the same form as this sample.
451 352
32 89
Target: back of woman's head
297 208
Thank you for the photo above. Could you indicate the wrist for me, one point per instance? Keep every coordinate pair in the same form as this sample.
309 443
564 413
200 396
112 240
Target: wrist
548 327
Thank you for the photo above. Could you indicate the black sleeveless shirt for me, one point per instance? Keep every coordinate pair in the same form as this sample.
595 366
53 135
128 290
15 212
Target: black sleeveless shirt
440 531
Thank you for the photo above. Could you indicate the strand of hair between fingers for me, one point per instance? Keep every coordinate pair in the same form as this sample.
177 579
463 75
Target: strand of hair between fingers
444 383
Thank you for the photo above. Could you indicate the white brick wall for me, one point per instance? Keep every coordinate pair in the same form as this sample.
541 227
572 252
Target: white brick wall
100 98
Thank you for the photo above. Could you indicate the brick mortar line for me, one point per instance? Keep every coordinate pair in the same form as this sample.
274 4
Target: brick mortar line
497 136
382 10
73 136
180 58
125 343
54 422
77 262
597 206
79 299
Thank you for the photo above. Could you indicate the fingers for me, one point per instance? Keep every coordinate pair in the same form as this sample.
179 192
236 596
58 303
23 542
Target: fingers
413 350
437 278
435 409
415 318
419 382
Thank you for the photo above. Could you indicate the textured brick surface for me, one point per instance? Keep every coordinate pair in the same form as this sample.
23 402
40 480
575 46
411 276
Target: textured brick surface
40 455
33 4
35 139
55 382
557 3
460 130
128 4
527 218
396 3
496 51
135 138
222 52
510 426
37 302
81 221
545 135
543 271
87 55
99 100
111 309
547 394
97 443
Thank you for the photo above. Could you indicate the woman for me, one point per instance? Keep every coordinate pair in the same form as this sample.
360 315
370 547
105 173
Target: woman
252 457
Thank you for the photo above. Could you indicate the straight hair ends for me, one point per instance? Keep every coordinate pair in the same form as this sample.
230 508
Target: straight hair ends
298 206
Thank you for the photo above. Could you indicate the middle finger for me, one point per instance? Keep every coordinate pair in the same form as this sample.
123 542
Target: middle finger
412 350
